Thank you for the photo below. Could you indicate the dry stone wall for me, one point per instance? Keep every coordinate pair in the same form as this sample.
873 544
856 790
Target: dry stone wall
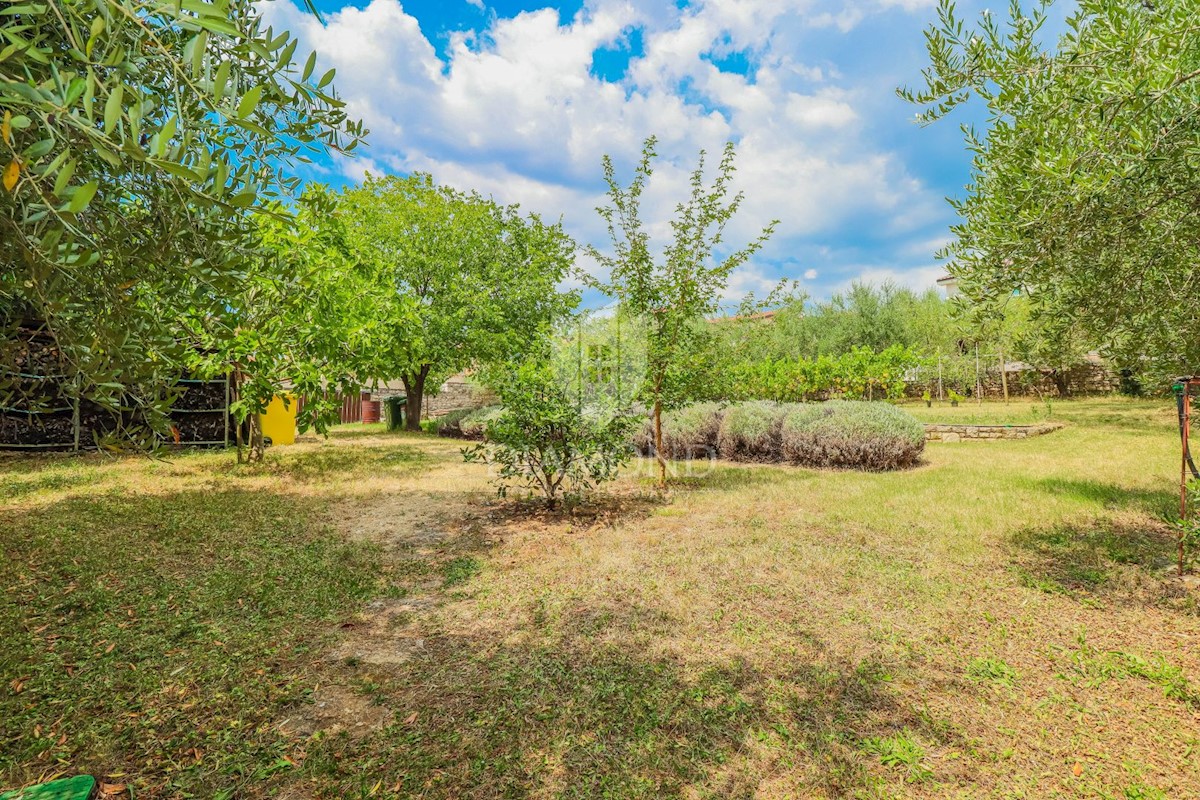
937 432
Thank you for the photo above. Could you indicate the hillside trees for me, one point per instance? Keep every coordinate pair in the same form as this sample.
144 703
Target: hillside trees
136 140
1085 184
671 293
455 280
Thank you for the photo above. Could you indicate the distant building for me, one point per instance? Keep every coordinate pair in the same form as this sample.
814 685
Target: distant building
764 316
949 283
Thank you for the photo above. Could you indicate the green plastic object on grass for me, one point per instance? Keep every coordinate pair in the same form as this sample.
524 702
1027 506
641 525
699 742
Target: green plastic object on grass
394 411
78 788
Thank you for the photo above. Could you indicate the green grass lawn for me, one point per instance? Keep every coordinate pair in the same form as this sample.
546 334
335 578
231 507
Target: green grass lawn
362 617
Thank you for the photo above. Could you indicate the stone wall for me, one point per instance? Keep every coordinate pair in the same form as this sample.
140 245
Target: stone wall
456 393
937 432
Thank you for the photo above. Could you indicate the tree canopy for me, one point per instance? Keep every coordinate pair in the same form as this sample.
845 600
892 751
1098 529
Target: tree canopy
672 293
455 280
138 139
1084 186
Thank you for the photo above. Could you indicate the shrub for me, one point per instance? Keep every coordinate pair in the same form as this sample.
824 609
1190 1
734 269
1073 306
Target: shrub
543 441
852 434
750 431
857 374
475 424
448 424
689 432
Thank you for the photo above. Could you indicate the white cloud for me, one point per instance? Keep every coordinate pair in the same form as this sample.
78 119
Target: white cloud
514 111
918 278
810 274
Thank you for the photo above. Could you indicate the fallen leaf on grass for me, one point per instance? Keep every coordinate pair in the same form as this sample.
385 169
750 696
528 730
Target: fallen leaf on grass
113 790
1077 770
410 719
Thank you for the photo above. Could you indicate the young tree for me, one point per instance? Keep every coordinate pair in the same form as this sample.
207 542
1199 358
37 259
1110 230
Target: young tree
546 441
672 293
299 323
456 280
135 139
1083 191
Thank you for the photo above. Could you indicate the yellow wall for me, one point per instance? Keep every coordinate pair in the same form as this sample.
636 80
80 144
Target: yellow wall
279 422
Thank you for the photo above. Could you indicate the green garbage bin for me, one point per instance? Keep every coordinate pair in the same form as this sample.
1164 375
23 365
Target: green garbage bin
393 408
81 787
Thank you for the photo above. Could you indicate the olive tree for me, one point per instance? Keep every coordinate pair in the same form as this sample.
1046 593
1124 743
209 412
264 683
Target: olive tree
298 322
674 291
1084 184
137 139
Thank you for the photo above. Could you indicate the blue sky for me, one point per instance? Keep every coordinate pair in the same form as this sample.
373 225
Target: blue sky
520 100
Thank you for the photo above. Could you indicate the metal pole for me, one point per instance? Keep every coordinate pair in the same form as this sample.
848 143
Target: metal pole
620 366
1003 376
978 384
940 374
75 413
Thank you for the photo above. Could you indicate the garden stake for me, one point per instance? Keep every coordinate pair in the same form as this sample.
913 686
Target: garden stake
1183 401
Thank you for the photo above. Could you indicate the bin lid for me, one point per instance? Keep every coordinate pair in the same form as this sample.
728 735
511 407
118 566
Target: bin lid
78 788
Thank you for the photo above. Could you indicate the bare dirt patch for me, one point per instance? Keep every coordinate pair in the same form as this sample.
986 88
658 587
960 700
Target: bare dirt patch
336 709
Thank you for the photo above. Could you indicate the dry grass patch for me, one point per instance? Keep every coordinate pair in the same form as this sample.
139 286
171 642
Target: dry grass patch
997 622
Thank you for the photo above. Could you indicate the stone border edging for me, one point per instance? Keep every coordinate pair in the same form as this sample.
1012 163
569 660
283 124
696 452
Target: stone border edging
941 432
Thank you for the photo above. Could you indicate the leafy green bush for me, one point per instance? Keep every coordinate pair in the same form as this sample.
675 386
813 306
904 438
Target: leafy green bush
853 434
750 431
689 432
448 424
476 424
858 374
542 440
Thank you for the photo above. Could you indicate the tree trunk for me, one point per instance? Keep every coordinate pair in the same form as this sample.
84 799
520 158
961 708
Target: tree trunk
658 449
258 447
237 391
1062 382
414 388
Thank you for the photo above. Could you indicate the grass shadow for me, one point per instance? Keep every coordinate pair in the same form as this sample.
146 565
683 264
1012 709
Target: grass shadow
567 707
727 476
608 506
15 485
1102 560
329 462
140 628
1156 502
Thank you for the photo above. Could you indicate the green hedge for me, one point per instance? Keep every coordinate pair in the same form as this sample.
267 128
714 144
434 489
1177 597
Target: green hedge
858 374
465 423
851 434
689 432
750 431
474 424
